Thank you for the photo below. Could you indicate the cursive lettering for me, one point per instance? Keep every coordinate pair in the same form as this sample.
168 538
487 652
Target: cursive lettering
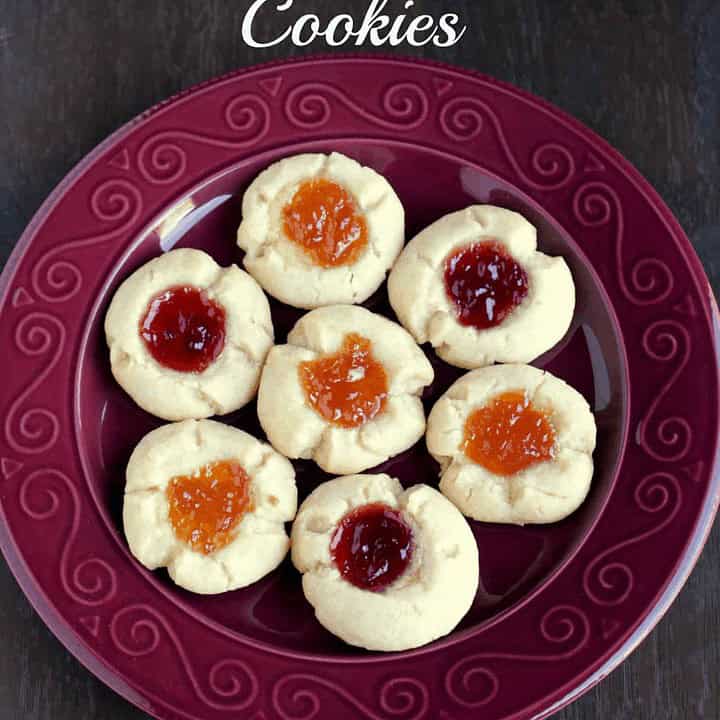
377 27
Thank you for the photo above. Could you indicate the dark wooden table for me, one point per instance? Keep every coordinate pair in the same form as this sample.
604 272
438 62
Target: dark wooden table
644 75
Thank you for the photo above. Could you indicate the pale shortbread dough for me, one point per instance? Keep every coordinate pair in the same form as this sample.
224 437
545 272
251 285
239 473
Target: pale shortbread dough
417 291
423 604
297 431
542 493
283 268
226 385
260 542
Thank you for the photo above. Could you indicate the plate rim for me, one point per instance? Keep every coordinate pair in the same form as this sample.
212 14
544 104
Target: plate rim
702 525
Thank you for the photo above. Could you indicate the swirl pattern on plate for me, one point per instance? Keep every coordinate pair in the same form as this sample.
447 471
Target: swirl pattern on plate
423 105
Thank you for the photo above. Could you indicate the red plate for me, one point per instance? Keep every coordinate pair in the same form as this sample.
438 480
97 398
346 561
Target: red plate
559 606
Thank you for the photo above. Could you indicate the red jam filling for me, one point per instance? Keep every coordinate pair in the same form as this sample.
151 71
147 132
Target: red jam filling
184 329
508 435
324 221
372 546
205 507
347 388
484 283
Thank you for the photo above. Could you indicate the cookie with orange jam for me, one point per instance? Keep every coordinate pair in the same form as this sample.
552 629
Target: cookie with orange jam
474 285
514 444
187 337
320 230
345 390
209 502
384 568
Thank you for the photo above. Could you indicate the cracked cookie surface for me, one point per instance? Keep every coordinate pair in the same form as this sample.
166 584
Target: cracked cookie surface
428 598
547 485
386 418
244 542
312 197
230 379
430 302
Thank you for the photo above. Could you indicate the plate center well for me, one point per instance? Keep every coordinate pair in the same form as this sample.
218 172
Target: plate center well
514 562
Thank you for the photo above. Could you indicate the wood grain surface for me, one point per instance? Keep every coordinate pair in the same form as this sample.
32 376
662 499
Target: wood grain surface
644 75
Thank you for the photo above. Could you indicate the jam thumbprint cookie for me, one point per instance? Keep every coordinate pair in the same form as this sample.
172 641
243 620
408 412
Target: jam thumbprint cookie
514 445
474 285
320 230
345 390
188 338
208 502
385 568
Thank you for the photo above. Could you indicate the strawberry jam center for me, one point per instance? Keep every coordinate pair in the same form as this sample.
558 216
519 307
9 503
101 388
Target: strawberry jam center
323 219
205 507
484 283
372 546
508 435
347 388
184 329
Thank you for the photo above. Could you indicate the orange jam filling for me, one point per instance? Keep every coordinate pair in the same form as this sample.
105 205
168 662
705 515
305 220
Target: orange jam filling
348 388
205 507
508 435
323 219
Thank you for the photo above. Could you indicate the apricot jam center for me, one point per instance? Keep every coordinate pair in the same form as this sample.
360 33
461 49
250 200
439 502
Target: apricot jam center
372 546
323 219
348 388
184 329
205 507
508 435
484 283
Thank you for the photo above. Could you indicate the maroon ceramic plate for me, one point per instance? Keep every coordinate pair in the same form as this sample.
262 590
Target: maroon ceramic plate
558 606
